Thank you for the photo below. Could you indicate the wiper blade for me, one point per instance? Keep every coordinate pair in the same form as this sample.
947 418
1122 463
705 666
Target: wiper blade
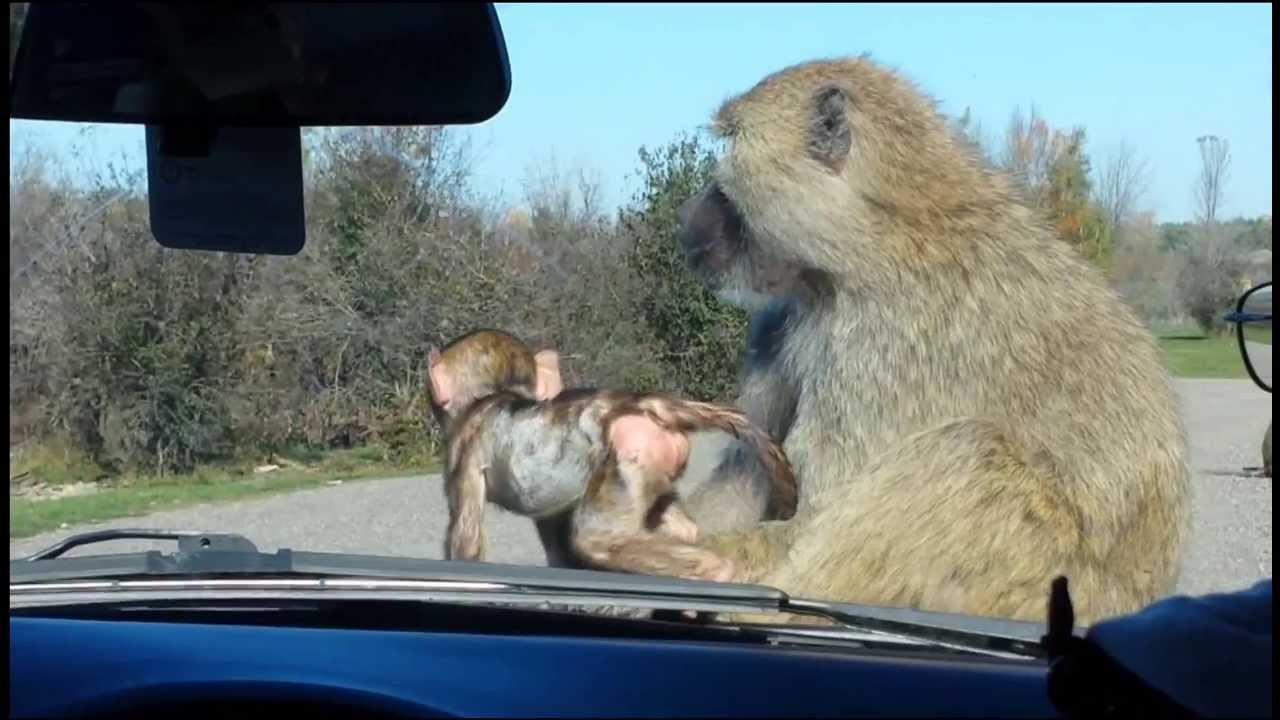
987 636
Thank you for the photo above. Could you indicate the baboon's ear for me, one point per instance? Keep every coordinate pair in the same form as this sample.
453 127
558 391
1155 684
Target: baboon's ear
548 383
441 378
829 135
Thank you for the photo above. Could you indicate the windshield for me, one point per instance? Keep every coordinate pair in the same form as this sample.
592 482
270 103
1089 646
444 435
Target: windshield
990 340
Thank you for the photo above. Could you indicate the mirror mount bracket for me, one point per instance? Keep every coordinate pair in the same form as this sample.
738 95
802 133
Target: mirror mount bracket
226 189
186 141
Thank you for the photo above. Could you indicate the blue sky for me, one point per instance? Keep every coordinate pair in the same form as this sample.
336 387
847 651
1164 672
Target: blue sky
592 83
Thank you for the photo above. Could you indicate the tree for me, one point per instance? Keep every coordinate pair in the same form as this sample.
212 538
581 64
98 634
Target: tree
1028 154
153 332
1067 195
972 133
1255 234
1144 273
1215 170
699 338
1052 169
582 294
1176 237
1123 182
1210 278
1213 267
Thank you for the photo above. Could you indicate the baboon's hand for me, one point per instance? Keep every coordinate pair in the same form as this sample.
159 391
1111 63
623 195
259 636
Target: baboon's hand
678 525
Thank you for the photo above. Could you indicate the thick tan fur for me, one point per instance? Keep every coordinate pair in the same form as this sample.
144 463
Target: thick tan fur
974 410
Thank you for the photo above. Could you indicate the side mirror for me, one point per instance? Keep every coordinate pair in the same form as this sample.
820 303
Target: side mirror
1252 318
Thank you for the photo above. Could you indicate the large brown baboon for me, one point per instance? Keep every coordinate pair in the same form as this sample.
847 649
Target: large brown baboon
969 408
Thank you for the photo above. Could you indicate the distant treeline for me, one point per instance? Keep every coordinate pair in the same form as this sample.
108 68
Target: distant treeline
154 360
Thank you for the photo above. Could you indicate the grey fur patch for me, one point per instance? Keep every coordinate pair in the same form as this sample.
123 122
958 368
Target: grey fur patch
550 460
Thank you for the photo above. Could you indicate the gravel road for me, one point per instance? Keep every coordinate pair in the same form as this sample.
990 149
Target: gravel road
1230 546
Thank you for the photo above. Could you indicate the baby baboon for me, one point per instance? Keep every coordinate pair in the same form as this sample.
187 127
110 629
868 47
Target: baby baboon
595 469
971 409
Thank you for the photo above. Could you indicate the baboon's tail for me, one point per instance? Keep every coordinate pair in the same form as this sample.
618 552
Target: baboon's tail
692 416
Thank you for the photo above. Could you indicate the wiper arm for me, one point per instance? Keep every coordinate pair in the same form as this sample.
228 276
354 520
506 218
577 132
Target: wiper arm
188 541
202 555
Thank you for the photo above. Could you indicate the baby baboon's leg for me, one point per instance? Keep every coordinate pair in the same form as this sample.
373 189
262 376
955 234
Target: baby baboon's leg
554 532
610 527
652 554
654 450
892 536
668 517
678 525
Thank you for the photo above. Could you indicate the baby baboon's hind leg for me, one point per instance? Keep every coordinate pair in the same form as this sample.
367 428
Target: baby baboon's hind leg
652 457
669 518
612 523
554 532
653 554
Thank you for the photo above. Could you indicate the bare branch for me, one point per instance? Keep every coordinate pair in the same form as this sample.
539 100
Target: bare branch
1124 180
1215 169
1029 152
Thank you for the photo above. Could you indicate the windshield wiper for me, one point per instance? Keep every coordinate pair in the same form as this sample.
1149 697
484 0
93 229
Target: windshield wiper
223 562
219 564
988 636
188 541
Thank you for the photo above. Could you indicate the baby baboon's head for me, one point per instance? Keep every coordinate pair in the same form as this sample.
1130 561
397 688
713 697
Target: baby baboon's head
484 362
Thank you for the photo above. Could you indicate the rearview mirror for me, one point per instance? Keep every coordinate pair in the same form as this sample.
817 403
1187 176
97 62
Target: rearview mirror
1253 332
223 89
288 64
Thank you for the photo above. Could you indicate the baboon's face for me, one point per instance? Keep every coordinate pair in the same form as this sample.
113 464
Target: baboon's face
733 261
720 252
819 158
